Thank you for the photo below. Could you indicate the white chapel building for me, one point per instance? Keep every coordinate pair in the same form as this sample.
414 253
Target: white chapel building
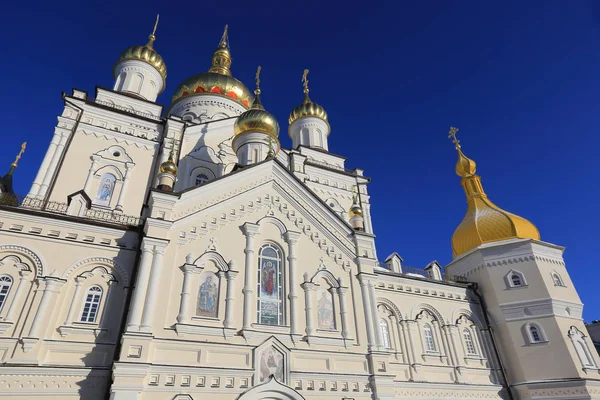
182 254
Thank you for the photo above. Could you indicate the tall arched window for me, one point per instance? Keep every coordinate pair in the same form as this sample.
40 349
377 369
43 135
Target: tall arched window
270 305
385 333
201 179
5 284
469 344
92 304
428 335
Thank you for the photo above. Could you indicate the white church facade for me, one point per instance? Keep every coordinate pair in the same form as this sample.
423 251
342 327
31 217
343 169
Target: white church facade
183 254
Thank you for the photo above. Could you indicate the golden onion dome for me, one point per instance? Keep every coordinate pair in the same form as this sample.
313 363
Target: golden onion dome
169 167
484 222
307 108
355 210
146 54
218 79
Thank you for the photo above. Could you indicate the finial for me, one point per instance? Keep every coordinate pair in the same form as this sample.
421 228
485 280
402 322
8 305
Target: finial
257 90
224 43
152 38
271 152
452 135
305 83
23 146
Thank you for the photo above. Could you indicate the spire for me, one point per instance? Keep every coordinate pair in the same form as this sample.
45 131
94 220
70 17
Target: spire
221 59
257 105
18 157
7 196
152 38
305 84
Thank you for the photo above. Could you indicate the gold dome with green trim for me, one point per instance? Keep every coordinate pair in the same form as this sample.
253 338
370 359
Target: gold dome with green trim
307 108
146 54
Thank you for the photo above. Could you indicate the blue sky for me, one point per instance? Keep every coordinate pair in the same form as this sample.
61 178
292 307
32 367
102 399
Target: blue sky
520 80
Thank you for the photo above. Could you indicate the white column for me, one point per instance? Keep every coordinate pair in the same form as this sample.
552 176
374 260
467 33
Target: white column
454 340
291 239
308 306
405 342
35 187
364 289
153 291
74 301
447 347
119 206
378 335
250 268
52 286
52 167
184 305
343 311
411 327
88 180
17 298
229 298
141 284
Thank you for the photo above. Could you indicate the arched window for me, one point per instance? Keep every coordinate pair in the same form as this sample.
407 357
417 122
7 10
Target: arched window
469 344
557 279
385 333
581 347
535 334
92 304
105 189
201 179
270 305
516 280
5 284
428 335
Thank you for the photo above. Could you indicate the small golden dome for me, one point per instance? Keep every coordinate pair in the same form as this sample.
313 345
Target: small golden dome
484 221
307 108
355 209
169 167
146 54
257 119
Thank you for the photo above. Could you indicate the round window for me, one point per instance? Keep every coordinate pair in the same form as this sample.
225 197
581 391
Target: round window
116 154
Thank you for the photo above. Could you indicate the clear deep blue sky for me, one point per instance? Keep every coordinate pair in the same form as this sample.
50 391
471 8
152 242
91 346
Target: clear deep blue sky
520 80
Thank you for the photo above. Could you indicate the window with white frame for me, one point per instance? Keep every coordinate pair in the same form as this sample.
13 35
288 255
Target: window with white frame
515 279
428 336
270 306
385 333
5 284
201 179
469 344
91 305
557 279
535 333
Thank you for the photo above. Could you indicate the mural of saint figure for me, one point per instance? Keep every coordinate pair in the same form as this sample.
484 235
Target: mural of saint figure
208 296
271 363
268 278
105 189
325 310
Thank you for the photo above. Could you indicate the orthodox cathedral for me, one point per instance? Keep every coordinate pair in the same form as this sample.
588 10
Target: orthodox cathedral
183 254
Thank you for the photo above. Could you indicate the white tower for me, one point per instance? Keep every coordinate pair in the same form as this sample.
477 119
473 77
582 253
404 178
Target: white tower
308 123
141 71
256 132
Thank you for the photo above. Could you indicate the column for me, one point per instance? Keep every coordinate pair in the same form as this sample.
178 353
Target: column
404 342
375 319
74 301
139 292
119 206
52 286
88 180
17 299
411 327
52 167
364 289
292 238
229 298
153 290
343 311
454 340
35 187
250 231
450 360
308 300
184 305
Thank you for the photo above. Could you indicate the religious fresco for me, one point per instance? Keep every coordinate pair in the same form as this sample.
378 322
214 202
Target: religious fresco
269 276
326 316
271 363
208 295
105 190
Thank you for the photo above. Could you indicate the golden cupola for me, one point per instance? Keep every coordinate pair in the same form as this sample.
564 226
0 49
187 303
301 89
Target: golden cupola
217 80
484 221
146 54
169 166
307 108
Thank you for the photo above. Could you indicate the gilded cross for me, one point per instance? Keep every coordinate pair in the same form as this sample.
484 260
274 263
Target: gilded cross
23 146
223 42
258 77
452 135
305 80
155 25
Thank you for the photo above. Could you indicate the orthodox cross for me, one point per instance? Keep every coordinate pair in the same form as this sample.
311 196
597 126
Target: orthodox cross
23 146
223 42
257 78
452 135
152 38
155 24
213 244
305 80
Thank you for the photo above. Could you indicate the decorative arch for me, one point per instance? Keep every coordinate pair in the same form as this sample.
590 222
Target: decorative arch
457 314
390 304
275 221
105 273
109 169
417 309
29 254
213 256
271 389
101 261
327 276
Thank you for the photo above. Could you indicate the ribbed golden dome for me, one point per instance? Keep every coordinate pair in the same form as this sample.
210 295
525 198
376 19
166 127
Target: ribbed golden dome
169 166
218 79
146 54
307 108
484 221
